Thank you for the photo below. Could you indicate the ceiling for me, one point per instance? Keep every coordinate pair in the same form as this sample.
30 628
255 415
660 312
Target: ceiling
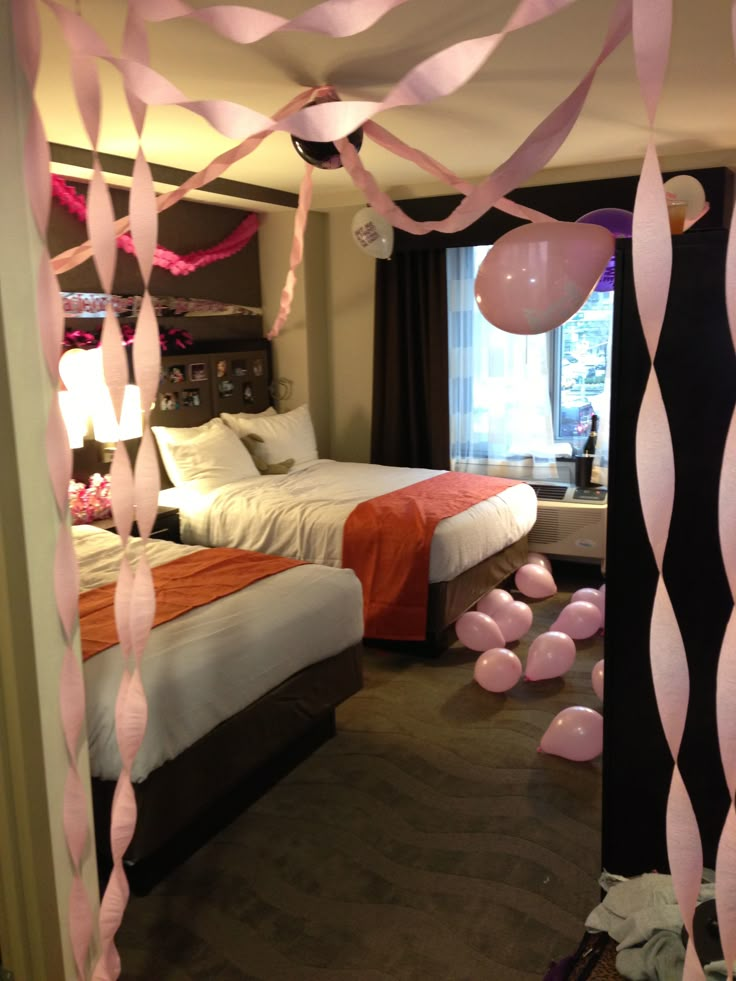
471 132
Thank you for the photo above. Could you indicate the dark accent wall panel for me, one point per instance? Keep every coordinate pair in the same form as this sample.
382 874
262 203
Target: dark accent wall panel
186 227
696 369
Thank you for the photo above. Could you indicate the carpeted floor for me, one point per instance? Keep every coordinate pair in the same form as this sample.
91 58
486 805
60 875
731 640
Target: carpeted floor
429 841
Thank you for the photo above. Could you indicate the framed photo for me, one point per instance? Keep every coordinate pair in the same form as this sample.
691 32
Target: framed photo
168 401
258 367
248 395
225 387
239 367
175 374
221 368
198 372
189 398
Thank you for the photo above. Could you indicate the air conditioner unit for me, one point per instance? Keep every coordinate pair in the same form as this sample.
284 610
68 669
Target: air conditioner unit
571 521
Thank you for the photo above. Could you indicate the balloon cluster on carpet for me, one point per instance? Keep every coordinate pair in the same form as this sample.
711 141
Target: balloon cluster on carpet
498 620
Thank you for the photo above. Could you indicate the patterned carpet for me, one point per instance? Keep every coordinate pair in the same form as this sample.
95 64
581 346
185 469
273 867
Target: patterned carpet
429 841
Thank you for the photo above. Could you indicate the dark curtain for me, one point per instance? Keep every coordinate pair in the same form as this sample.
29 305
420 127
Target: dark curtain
411 416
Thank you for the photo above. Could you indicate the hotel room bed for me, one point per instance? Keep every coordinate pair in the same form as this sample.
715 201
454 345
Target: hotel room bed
230 685
209 457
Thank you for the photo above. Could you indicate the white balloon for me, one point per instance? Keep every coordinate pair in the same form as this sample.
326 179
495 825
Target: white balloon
686 188
372 233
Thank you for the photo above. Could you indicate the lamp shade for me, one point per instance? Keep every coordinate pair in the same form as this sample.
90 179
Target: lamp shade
75 417
106 427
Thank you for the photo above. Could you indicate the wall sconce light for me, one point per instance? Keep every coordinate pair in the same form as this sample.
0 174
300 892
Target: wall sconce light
75 418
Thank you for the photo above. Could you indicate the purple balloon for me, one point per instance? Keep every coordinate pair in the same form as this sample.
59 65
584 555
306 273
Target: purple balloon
535 581
497 670
597 679
550 655
619 223
513 620
494 601
579 620
478 632
575 733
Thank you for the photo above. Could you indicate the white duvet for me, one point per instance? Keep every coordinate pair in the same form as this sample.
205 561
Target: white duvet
301 514
209 663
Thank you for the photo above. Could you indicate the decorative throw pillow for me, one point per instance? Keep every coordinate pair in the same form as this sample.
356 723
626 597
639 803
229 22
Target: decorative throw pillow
285 435
254 444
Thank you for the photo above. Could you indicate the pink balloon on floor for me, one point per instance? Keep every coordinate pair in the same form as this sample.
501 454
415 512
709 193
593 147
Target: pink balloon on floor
494 601
588 595
597 679
575 733
579 619
550 655
497 670
514 619
535 581
536 558
538 275
478 632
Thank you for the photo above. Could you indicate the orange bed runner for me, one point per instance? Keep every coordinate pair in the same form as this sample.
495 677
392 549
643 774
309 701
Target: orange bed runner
181 585
387 542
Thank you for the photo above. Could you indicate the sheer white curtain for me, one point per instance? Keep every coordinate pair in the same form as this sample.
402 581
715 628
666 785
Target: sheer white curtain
500 410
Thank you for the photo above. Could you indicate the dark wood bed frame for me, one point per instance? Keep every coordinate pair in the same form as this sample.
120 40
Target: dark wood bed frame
187 799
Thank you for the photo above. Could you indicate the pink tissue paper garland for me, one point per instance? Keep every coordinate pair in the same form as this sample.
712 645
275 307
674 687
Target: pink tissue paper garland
177 265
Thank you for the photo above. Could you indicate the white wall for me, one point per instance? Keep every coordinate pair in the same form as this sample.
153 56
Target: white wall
33 762
351 305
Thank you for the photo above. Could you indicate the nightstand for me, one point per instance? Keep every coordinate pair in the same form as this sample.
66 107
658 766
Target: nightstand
165 527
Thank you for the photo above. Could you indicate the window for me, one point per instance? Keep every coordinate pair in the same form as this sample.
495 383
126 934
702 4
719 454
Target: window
580 359
521 401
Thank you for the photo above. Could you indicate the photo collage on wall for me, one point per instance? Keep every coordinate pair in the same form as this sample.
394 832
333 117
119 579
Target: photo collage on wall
236 377
182 396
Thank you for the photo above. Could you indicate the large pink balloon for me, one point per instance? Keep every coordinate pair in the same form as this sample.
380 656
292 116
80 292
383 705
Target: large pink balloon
494 601
535 581
497 670
597 679
514 619
538 275
579 620
536 558
478 632
588 595
550 655
576 733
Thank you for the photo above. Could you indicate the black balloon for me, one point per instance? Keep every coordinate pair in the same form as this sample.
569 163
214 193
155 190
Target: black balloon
324 155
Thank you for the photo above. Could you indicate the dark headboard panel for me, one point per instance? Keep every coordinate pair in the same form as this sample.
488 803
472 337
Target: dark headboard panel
197 387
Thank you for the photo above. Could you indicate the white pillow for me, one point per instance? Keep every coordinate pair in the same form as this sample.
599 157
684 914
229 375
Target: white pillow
203 457
285 435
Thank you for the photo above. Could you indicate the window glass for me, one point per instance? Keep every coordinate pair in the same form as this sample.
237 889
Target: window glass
581 366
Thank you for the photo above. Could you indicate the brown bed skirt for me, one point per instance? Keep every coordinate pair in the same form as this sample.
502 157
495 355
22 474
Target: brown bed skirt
179 792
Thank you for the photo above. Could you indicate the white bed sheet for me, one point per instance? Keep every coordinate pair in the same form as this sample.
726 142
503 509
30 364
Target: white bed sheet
209 663
302 514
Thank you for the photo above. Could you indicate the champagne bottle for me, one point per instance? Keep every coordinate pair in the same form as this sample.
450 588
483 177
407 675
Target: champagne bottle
589 448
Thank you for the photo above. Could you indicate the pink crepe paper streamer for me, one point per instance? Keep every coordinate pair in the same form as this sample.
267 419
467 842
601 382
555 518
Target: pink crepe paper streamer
245 25
652 264
726 676
533 154
73 257
437 76
297 250
59 459
392 143
175 263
